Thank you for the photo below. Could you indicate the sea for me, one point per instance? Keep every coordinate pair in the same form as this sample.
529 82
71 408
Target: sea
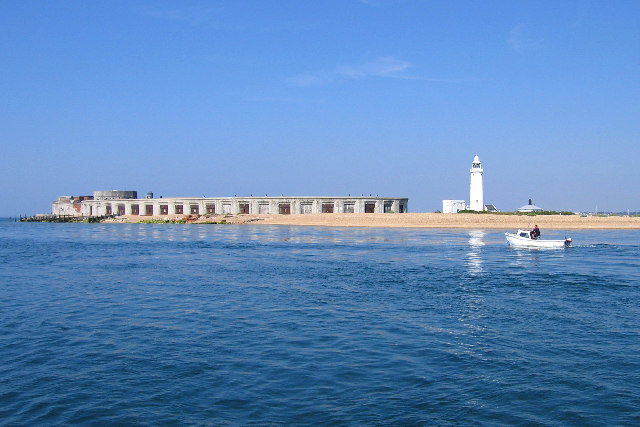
158 324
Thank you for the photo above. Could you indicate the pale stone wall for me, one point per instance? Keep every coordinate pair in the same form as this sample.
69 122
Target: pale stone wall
68 205
115 195
257 205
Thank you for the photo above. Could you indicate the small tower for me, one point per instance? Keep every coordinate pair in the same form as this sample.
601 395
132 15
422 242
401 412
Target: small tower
476 194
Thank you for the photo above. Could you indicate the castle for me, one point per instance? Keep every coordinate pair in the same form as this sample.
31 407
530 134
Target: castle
120 202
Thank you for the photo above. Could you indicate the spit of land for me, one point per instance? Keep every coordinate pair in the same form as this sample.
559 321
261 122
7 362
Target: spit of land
418 220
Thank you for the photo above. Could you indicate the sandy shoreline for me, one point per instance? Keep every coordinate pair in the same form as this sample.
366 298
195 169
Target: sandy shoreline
424 220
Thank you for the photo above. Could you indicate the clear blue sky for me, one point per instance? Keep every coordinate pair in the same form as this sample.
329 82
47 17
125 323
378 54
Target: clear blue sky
217 98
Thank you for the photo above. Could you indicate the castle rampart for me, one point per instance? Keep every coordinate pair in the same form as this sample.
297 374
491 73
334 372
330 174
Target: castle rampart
116 202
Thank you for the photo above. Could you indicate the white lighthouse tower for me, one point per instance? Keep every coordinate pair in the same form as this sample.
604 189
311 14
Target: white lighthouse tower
476 194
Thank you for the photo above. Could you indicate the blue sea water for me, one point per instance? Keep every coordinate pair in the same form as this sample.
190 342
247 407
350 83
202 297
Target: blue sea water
104 324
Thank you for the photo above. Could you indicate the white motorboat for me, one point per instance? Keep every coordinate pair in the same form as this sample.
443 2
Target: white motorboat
523 239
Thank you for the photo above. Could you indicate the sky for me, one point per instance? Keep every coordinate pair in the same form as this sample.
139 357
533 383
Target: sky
322 98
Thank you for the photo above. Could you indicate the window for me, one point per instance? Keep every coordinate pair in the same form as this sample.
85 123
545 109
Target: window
195 209
327 208
211 208
179 210
349 207
135 209
164 209
306 208
244 208
369 207
148 209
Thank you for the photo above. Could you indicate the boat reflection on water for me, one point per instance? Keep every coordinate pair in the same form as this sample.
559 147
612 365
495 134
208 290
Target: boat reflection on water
474 256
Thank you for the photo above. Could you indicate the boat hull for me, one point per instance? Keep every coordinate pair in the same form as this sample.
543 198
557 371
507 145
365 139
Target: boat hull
525 242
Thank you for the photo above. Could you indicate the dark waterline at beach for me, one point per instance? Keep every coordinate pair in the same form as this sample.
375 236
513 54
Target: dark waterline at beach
202 324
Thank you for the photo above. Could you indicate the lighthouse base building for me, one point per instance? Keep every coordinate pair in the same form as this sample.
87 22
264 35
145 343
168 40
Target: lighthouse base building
453 206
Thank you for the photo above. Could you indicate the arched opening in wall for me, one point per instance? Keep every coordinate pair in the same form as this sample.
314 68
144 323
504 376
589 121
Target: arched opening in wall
285 208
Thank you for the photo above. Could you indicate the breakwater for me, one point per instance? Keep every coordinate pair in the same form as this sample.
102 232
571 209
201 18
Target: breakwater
65 218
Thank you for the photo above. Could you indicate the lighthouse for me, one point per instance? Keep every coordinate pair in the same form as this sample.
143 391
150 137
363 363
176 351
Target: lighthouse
476 195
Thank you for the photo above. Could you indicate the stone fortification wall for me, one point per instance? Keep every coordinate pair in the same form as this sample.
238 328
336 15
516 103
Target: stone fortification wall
115 194
243 205
68 205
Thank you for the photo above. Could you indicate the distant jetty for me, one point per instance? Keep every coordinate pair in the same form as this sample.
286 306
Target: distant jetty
64 218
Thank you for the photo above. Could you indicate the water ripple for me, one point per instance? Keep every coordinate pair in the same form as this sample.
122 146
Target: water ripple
182 324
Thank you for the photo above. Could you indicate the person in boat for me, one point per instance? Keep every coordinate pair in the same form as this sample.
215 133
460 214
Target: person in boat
535 233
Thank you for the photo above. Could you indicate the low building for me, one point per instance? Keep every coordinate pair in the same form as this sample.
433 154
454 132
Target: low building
530 208
453 206
104 204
